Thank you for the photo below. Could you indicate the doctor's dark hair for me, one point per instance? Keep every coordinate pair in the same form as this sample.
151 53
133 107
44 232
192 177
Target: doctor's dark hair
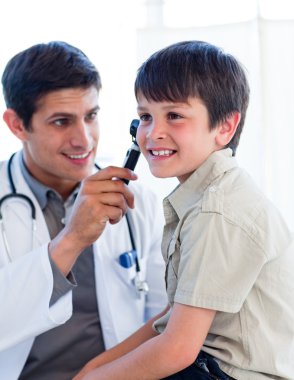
197 69
43 68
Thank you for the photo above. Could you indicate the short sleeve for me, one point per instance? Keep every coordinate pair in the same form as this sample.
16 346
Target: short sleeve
219 263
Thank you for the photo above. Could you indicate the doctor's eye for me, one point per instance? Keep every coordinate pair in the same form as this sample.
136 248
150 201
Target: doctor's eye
61 122
92 115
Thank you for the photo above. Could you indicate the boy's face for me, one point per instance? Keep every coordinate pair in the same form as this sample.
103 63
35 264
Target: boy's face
175 137
60 149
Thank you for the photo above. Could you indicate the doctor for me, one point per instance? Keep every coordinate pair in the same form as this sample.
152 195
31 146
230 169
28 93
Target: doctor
64 293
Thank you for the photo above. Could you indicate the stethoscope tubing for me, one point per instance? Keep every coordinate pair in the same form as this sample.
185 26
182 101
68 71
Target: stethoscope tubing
14 193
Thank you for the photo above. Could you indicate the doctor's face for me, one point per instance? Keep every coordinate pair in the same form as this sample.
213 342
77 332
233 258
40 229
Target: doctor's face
60 148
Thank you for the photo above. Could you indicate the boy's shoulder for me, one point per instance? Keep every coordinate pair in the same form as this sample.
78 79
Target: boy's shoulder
235 195
234 191
240 202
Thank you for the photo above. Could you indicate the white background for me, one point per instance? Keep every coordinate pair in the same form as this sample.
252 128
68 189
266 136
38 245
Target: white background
118 35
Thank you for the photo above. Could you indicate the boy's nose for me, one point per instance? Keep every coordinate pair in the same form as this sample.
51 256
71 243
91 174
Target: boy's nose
157 130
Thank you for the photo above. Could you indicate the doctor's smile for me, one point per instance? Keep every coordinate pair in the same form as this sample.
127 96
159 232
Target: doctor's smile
79 158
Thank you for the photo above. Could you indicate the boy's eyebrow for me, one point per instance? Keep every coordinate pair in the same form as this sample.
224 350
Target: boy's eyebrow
140 108
167 107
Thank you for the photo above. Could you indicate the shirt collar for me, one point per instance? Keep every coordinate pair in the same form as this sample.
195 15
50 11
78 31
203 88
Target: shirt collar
41 191
189 192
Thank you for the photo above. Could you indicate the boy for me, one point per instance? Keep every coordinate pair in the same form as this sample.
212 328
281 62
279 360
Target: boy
227 250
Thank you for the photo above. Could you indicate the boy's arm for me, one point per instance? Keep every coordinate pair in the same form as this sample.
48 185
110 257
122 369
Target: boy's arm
173 350
143 334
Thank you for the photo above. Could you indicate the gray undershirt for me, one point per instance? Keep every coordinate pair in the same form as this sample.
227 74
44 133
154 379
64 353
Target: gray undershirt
61 352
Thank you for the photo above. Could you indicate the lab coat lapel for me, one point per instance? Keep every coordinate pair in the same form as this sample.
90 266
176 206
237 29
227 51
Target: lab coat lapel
121 311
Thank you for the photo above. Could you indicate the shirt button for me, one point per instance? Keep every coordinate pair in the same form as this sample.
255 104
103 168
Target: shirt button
212 189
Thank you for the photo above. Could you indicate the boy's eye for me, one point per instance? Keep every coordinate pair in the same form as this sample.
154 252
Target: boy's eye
174 116
145 117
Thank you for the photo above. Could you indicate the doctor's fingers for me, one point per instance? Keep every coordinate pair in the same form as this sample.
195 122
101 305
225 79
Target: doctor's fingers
109 187
94 208
90 216
111 205
113 172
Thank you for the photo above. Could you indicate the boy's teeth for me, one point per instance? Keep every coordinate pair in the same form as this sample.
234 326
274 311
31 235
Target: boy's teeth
162 152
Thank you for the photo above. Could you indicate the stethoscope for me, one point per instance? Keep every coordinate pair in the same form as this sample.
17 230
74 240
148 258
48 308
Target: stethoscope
14 194
127 259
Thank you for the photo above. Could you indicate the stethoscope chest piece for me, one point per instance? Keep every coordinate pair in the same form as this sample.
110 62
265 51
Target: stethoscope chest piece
141 286
128 260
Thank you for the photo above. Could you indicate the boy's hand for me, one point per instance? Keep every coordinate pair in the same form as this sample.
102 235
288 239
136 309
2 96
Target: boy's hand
86 369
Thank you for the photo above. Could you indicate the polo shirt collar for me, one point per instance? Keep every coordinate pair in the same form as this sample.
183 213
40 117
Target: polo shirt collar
41 191
185 195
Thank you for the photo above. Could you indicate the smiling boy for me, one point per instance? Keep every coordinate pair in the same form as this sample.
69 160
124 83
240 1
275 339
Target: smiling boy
227 249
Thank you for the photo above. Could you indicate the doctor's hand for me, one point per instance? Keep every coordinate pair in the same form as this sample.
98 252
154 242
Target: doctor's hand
102 198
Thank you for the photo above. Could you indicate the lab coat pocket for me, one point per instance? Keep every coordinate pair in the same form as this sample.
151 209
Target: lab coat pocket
132 280
126 275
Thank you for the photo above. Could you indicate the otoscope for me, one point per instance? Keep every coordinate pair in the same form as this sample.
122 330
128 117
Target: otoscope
133 153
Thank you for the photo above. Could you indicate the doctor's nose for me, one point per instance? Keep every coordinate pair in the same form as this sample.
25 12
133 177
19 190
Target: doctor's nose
81 135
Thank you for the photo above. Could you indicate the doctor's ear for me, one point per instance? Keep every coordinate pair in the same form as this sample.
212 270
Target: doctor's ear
15 124
227 129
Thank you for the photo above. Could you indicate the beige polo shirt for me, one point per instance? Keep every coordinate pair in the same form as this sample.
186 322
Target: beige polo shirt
228 249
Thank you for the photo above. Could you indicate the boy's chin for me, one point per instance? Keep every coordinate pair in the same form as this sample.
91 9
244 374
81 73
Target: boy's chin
159 174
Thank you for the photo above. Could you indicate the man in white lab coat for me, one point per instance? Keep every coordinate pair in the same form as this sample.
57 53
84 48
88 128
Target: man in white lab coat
69 281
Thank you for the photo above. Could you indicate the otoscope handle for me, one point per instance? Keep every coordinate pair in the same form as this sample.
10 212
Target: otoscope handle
131 158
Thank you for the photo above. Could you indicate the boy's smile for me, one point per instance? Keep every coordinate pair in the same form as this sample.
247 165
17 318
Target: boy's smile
175 138
162 152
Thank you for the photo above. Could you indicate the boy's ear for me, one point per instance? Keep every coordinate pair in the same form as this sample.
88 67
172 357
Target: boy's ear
227 129
15 124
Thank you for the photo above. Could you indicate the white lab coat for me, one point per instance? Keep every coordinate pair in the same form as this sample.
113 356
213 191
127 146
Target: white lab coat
26 282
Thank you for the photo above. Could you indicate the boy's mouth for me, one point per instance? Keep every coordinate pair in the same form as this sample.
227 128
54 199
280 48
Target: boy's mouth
162 152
